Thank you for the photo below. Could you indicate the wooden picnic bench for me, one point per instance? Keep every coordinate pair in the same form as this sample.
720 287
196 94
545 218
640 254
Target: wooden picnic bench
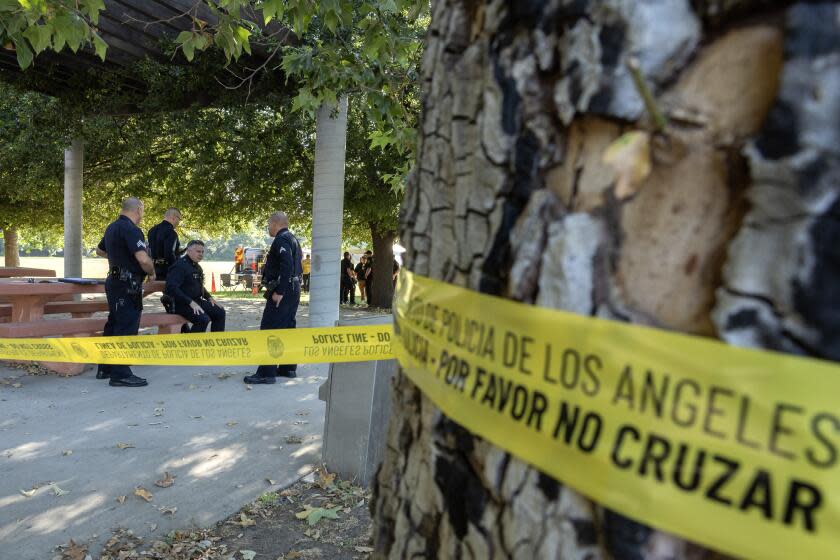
22 271
29 302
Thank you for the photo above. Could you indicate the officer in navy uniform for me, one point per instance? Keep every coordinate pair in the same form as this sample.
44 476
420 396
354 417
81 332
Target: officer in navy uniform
164 245
128 262
281 279
185 285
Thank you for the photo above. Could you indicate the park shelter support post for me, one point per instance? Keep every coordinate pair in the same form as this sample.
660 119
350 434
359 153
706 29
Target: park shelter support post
327 213
74 158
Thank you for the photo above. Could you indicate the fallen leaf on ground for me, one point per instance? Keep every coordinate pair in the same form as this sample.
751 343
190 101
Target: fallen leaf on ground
248 387
325 479
67 452
152 527
58 491
294 439
270 481
193 387
125 445
302 412
143 493
73 551
224 375
120 499
293 554
167 481
364 549
17 385
29 493
244 521
314 514
170 510
159 411
300 422
232 423
197 417
247 554
155 423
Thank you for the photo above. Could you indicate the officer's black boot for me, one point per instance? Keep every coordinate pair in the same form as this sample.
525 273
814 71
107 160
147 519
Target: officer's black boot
258 380
130 381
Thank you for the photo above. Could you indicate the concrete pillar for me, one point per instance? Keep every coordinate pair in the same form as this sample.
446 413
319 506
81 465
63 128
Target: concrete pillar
74 158
327 214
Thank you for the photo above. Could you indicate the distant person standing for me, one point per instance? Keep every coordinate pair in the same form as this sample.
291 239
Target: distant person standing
369 275
360 277
164 245
348 287
238 258
307 270
125 248
281 279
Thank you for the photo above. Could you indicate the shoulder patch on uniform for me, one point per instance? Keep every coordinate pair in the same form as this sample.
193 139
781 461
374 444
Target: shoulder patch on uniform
141 244
281 249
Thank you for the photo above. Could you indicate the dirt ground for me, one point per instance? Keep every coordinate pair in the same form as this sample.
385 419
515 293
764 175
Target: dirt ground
318 517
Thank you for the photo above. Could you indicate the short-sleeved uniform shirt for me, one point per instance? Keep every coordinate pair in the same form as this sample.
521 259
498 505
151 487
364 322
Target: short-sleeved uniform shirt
121 240
283 262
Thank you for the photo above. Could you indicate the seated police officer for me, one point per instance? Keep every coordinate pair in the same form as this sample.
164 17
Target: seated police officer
185 285
128 262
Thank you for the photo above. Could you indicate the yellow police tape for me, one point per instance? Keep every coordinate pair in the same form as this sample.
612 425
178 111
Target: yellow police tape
732 448
291 346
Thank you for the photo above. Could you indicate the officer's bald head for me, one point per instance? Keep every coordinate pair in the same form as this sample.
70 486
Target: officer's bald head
276 222
132 207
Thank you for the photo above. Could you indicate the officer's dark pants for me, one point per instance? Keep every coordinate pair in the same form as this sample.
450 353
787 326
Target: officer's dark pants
280 317
124 311
199 321
348 291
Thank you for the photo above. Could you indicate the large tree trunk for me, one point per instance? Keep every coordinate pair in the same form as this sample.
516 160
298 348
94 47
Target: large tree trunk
10 246
327 214
512 198
383 266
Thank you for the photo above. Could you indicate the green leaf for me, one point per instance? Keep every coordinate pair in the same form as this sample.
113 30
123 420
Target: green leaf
183 37
93 7
189 49
100 45
273 9
9 6
243 37
39 37
24 54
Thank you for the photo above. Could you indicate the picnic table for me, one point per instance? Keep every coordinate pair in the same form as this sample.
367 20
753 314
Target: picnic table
31 300
22 271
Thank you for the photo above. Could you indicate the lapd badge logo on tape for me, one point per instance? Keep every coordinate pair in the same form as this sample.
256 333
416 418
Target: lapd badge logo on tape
78 349
275 347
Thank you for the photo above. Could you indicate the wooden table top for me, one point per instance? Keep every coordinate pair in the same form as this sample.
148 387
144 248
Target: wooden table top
22 271
24 288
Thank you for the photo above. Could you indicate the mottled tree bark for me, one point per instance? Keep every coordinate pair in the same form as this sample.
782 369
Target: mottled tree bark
735 233
10 247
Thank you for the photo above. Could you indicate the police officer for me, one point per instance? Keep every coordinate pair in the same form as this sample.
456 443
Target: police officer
128 262
185 285
164 245
281 279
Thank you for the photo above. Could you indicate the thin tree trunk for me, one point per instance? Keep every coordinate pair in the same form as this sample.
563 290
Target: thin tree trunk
383 266
10 246
327 215
521 100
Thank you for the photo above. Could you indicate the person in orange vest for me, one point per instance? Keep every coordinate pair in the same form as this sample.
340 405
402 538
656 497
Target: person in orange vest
307 269
239 258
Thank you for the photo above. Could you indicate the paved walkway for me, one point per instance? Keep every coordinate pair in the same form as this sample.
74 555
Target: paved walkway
222 442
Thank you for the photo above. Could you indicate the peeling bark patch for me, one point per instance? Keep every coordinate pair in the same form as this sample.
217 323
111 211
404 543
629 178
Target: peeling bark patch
819 298
742 319
812 30
549 487
586 532
463 495
780 137
612 37
624 537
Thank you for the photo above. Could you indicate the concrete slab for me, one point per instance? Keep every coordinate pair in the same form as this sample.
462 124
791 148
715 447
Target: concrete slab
220 440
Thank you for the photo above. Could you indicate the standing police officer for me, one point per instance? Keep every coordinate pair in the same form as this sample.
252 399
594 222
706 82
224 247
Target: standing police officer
164 246
281 279
185 285
128 262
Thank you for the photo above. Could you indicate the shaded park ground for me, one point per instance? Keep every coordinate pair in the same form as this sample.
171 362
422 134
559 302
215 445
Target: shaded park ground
79 459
